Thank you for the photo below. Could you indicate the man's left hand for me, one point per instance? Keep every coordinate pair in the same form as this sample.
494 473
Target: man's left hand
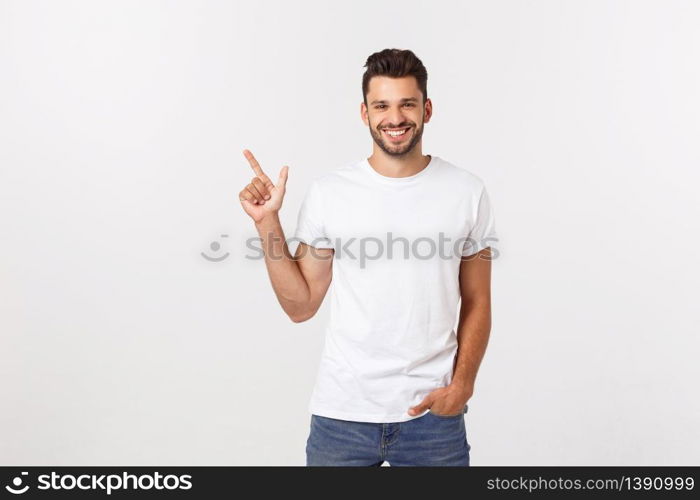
448 400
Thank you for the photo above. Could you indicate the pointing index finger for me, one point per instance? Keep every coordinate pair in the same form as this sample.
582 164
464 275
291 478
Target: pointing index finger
256 167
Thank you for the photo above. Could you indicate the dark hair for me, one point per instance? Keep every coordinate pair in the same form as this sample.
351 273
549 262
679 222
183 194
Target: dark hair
395 63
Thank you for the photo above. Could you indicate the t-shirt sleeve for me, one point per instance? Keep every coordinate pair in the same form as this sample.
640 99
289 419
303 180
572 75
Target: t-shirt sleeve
483 232
310 222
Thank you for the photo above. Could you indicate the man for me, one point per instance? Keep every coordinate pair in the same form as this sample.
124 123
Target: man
395 376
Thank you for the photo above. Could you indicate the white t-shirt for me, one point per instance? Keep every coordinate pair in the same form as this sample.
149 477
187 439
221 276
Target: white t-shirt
395 292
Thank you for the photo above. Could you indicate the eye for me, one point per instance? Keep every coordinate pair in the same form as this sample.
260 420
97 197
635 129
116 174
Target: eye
380 106
409 104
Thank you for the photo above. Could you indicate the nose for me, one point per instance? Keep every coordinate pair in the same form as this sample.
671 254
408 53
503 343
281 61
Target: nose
395 118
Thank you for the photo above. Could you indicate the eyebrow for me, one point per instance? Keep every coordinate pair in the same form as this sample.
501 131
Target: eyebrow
405 99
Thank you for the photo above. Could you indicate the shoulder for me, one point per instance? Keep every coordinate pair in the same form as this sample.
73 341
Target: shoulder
460 177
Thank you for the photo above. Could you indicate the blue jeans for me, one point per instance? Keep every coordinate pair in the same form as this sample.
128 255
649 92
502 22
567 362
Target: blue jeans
428 440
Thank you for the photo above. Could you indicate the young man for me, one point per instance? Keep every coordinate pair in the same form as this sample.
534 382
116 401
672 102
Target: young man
403 237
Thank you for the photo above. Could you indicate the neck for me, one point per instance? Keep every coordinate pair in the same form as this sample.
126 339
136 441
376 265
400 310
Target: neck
398 166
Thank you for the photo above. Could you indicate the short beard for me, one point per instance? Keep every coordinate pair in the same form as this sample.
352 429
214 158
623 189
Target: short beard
400 153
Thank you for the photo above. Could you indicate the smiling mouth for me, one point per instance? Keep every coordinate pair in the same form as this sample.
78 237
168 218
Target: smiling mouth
396 134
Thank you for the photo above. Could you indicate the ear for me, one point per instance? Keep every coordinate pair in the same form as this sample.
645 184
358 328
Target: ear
363 113
428 110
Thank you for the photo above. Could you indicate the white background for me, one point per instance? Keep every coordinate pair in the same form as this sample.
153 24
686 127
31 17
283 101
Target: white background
122 126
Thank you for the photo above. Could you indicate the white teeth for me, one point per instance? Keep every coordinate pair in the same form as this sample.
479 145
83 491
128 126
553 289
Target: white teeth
395 134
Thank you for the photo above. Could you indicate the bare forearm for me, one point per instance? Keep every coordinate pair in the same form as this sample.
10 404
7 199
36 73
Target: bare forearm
287 280
472 336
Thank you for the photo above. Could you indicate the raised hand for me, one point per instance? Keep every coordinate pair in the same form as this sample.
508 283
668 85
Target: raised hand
261 197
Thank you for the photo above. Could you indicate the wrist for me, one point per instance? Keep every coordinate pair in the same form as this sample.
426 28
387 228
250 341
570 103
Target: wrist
462 386
268 220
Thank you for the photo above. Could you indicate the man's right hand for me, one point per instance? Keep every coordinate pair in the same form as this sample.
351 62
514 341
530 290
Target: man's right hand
261 197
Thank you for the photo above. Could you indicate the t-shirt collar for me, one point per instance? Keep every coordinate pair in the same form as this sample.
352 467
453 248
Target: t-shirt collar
400 180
